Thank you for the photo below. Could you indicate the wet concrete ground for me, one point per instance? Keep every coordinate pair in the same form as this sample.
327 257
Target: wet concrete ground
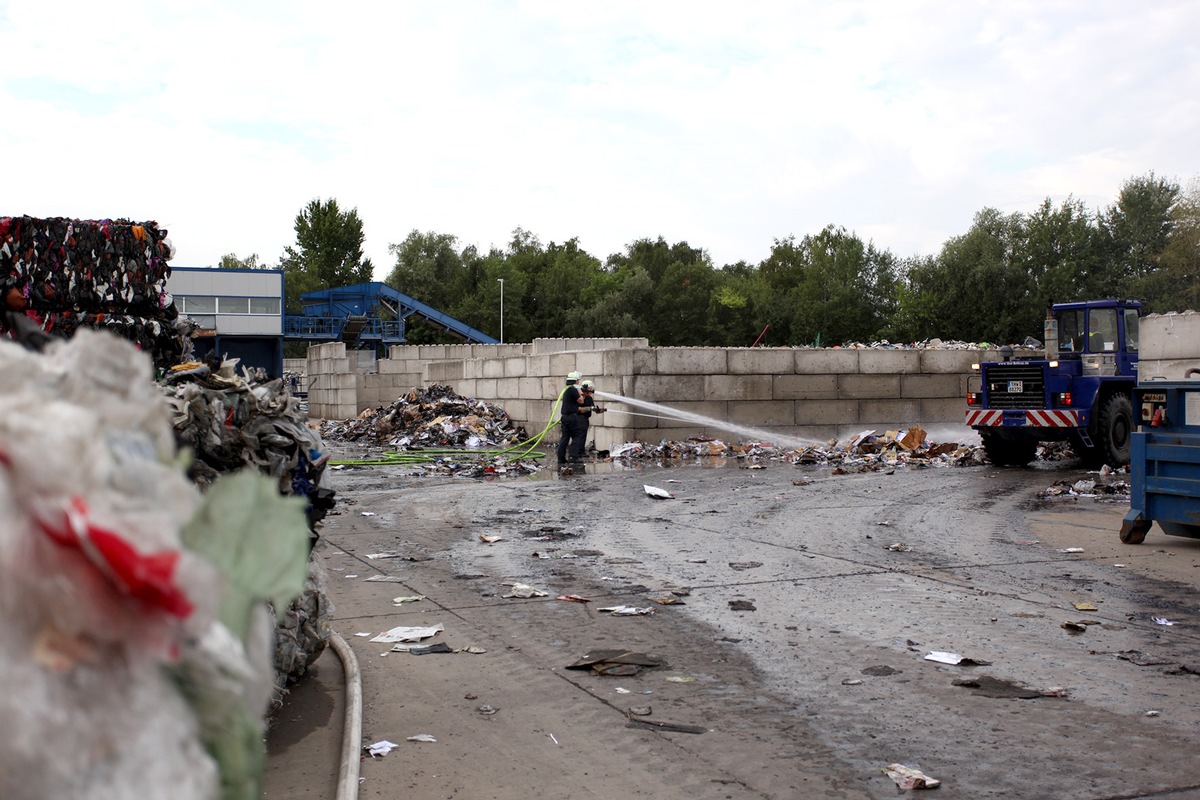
852 580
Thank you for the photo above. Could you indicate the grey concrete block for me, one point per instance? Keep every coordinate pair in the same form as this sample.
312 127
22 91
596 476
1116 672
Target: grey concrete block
643 361
804 387
761 361
939 385
716 409
485 387
763 413
738 387
507 387
826 412
855 387
666 388
492 367
825 361
590 363
691 360
1172 369
937 411
889 413
948 361
889 361
514 367
530 388
562 363
1170 337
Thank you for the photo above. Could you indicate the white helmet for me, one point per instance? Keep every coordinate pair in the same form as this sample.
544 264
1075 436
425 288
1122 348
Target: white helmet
574 376
587 384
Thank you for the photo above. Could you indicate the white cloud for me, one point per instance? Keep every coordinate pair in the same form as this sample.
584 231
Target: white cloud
726 126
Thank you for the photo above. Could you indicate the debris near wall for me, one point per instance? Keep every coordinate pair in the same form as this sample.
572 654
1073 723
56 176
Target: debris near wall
135 645
865 452
59 275
937 344
232 421
433 417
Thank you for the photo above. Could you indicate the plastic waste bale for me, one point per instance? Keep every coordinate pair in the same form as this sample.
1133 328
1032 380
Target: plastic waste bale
136 660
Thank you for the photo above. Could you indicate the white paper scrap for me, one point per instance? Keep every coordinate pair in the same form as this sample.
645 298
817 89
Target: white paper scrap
1163 621
381 748
367 513
409 633
654 491
627 611
943 657
422 737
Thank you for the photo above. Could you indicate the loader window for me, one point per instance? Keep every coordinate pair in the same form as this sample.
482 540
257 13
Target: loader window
1071 331
1131 330
1102 330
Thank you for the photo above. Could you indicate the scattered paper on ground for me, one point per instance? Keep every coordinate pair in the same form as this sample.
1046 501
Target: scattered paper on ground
409 633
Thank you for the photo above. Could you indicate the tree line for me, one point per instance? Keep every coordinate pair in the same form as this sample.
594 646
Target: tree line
990 284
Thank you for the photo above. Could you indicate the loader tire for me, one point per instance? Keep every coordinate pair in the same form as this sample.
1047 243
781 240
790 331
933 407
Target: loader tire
1008 452
1114 429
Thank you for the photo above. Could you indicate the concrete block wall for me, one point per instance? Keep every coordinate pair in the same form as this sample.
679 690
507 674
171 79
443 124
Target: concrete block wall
332 383
1169 345
791 395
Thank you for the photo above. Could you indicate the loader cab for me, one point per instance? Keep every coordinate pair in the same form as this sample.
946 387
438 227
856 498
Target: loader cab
1102 335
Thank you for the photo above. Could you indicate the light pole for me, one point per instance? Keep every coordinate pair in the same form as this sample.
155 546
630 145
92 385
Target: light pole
501 309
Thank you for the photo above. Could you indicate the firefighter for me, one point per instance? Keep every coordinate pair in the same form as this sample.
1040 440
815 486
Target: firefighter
574 426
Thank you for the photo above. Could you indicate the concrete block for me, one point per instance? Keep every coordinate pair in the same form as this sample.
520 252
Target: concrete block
889 361
551 387
492 367
717 409
590 363
507 387
643 361
333 350
942 361
529 388
390 366
826 412
1170 337
546 346
340 365
518 409
538 366
889 413
804 387
762 413
371 382
761 361
819 362
345 380
485 388
346 397
514 367
938 385
665 388
943 411
345 411
431 352
738 387
467 387
445 371
692 360
854 387
561 364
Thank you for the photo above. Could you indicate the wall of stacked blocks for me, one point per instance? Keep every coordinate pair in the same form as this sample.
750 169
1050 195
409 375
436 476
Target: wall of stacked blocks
813 394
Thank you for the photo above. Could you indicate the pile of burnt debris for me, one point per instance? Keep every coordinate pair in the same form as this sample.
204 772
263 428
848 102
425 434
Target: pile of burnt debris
433 417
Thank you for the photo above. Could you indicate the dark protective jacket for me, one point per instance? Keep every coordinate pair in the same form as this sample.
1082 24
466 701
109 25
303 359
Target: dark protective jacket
570 401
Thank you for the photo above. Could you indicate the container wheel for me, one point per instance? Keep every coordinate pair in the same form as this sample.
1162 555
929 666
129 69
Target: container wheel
1134 532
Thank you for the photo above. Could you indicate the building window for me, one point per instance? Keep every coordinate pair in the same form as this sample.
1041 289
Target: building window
196 305
234 305
264 305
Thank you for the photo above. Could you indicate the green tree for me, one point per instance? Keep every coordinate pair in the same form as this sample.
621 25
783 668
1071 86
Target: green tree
1175 284
1139 225
1062 250
328 252
428 267
231 261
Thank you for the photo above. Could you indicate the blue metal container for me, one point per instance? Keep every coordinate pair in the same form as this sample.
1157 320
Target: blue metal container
1165 461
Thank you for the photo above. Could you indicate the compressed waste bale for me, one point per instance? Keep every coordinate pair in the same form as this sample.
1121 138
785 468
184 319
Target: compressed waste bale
66 274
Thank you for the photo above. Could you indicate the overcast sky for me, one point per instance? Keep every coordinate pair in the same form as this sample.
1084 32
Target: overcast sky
724 124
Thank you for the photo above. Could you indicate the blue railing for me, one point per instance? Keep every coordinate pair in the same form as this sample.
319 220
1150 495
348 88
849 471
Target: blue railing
299 326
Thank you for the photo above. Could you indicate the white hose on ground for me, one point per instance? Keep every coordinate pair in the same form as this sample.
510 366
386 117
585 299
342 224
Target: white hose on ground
352 726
